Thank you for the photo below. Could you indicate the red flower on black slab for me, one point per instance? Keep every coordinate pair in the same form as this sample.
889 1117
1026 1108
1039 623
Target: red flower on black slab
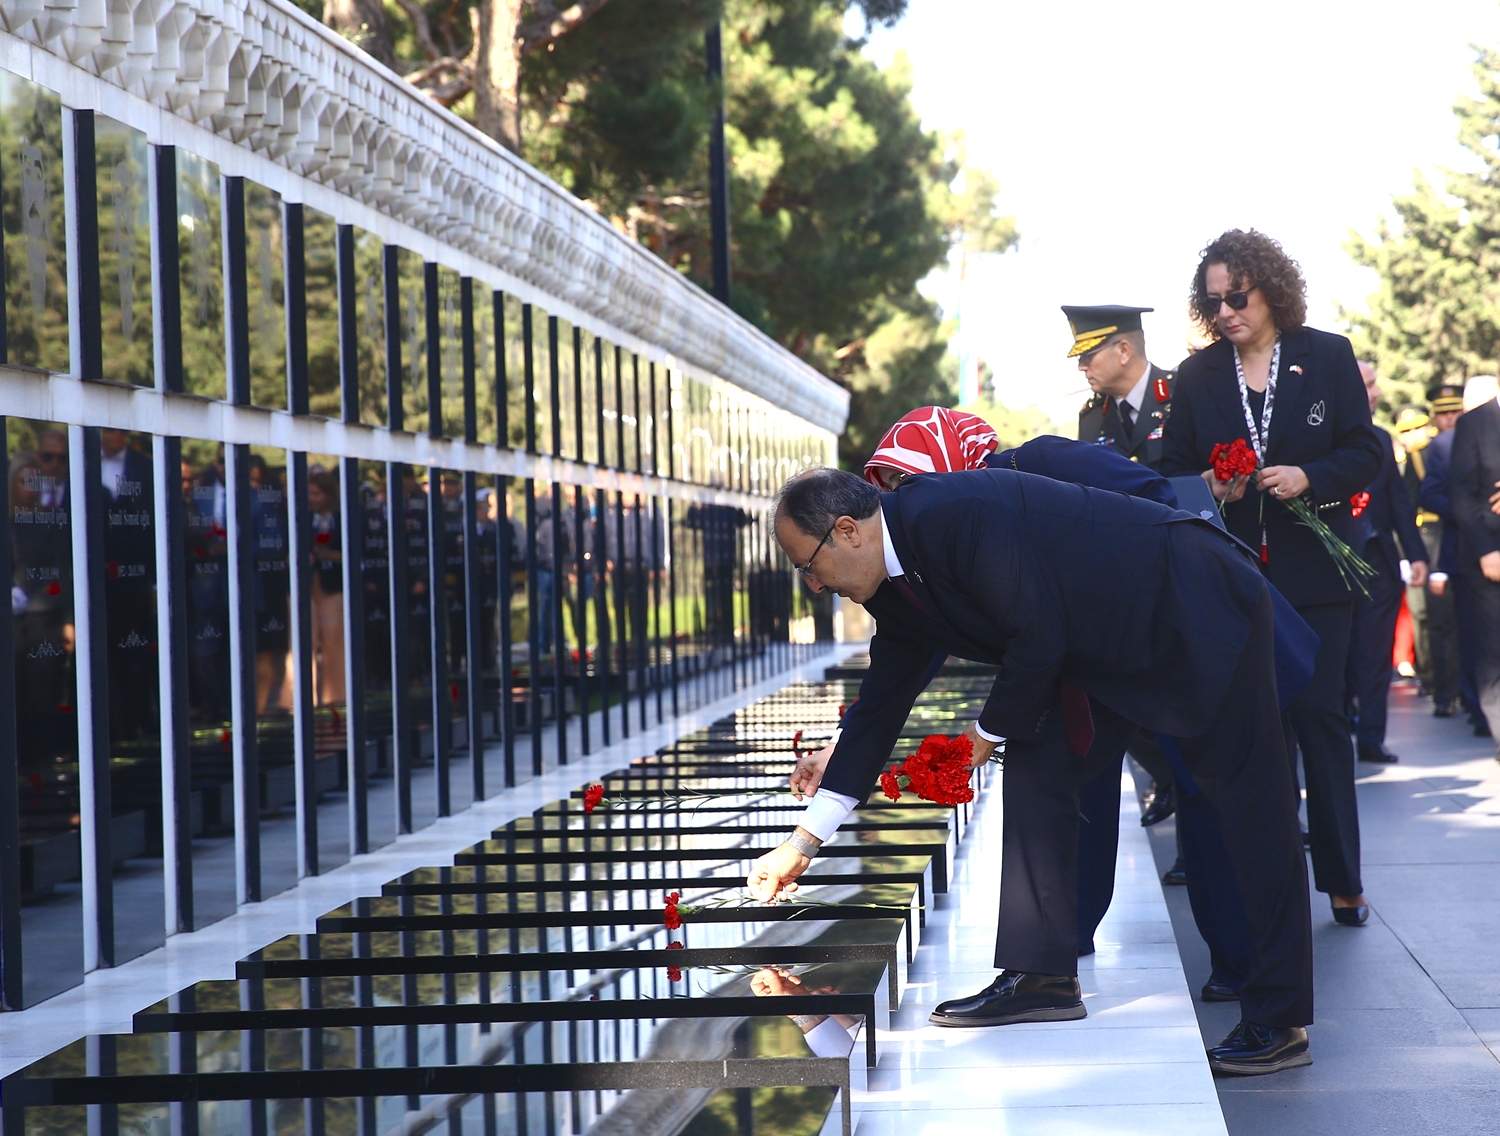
54 588
674 974
592 796
938 772
670 916
797 745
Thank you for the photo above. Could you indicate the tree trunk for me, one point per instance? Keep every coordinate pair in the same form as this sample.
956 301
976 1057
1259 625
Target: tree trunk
497 75
362 22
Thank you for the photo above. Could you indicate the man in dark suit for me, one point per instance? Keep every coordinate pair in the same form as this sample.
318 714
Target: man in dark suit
1448 585
1001 567
1475 489
1385 518
1132 397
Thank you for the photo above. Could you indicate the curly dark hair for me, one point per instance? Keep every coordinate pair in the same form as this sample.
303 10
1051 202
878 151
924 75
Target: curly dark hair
1252 258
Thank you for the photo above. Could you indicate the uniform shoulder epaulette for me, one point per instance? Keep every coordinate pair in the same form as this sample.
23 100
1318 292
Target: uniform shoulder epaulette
1163 386
1094 403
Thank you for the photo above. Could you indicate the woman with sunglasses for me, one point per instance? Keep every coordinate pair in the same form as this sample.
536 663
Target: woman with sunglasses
1296 396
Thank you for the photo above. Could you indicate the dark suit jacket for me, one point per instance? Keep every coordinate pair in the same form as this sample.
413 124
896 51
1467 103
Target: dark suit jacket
1100 424
1475 470
1099 466
1320 421
1435 497
1144 608
1390 517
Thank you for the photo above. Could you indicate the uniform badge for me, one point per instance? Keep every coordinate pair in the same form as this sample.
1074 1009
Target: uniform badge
1155 435
1162 393
1315 414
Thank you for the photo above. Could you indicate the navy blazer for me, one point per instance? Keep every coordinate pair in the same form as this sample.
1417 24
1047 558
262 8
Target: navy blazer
1434 496
1083 463
1472 479
1145 608
1320 422
1389 512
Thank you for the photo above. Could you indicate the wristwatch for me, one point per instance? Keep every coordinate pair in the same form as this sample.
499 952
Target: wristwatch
803 844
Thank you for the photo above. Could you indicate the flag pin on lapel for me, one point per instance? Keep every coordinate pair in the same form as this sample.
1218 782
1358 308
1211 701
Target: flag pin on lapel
1295 368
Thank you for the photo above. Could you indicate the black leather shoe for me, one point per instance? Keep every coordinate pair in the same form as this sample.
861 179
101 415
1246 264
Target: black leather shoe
1015 997
1445 710
1160 803
1377 754
1252 1049
1176 875
1217 990
1351 916
1482 729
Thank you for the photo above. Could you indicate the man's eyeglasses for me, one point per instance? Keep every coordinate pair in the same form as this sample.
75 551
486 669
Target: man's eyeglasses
806 569
1236 300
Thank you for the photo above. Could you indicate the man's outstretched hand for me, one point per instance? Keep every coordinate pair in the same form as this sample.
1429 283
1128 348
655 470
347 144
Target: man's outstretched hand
983 748
770 878
809 772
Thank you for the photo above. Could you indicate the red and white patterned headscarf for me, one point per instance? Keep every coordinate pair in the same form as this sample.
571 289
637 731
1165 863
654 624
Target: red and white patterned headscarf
933 439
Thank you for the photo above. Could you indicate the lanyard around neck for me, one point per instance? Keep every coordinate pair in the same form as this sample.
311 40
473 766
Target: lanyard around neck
1259 437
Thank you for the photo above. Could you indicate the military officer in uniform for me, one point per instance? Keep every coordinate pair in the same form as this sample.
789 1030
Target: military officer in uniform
1414 430
1131 394
1126 413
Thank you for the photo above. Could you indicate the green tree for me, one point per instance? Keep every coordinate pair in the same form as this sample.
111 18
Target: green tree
1436 315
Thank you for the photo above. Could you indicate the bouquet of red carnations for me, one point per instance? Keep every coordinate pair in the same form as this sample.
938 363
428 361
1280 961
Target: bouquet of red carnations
938 772
1236 459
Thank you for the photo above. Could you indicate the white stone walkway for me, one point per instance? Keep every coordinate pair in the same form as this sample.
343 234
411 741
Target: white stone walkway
1134 1065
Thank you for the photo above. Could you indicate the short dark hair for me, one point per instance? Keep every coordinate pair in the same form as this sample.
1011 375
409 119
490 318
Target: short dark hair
1251 258
815 499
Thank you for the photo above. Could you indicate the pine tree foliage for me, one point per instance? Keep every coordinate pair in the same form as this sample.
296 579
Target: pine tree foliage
1436 315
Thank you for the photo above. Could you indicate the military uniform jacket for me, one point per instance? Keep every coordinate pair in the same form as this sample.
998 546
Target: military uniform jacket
1099 421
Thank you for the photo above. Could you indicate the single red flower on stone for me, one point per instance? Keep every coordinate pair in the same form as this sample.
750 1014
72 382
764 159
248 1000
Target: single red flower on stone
674 945
592 796
670 917
674 974
54 588
323 537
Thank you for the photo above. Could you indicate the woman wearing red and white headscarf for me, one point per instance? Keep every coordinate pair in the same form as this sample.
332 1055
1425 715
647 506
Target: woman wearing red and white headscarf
931 439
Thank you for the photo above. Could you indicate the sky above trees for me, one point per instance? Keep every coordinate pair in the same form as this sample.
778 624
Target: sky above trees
1124 137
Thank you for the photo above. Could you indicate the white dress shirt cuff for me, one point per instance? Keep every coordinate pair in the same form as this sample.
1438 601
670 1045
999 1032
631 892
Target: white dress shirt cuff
986 735
829 1039
825 811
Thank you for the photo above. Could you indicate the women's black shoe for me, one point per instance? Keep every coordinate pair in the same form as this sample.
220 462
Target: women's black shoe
1351 916
1252 1049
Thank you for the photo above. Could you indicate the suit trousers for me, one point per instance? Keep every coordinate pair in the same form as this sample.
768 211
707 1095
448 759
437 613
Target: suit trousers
1038 925
1461 585
1317 721
1241 765
1484 603
1098 849
1372 635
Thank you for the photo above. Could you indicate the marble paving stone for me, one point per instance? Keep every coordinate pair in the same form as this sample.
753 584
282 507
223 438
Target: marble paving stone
1058 1120
1128 1082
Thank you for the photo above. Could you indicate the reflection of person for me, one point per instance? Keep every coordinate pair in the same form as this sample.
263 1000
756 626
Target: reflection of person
1414 432
1295 394
720 526
42 602
129 587
207 595
1000 567
327 587
1475 490
1386 518
827 1035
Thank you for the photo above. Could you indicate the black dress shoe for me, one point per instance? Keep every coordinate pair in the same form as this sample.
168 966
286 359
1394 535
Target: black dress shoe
1252 1048
1377 754
1015 997
1445 710
1482 729
1218 990
1160 803
1351 916
1176 875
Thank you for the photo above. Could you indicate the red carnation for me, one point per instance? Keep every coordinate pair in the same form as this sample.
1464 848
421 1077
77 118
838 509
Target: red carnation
674 945
674 974
670 917
890 786
797 743
1233 459
323 537
54 588
1360 502
592 796
842 709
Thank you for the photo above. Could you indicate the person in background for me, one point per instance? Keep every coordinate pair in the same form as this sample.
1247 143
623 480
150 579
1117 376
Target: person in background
1384 519
1295 394
327 587
1448 402
1131 400
1414 430
1474 487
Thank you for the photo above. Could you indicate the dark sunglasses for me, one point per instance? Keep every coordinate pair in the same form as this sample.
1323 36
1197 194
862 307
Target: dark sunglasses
1236 300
